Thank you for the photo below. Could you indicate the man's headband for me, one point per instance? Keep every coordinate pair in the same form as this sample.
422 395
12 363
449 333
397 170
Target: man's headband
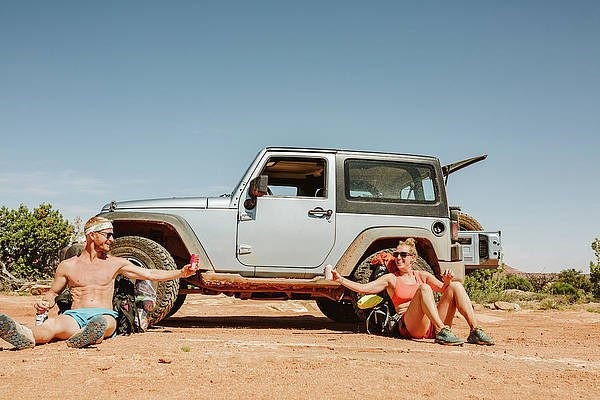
99 227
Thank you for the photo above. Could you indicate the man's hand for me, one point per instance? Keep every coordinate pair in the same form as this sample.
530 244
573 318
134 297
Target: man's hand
42 306
187 271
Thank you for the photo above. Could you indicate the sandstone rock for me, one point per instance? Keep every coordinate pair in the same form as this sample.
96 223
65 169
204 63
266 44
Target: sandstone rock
506 306
37 290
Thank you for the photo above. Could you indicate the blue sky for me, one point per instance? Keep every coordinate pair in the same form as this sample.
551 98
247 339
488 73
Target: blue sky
124 100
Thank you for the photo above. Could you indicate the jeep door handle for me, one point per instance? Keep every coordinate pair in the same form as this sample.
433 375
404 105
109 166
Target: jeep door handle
319 212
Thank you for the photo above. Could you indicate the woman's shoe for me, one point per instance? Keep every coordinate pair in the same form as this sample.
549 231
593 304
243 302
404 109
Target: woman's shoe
446 337
478 336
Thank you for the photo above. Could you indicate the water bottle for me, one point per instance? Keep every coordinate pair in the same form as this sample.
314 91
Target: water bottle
40 318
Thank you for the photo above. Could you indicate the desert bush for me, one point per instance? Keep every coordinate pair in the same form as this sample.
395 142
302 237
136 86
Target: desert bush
485 285
571 293
487 280
30 240
541 282
595 270
553 303
576 279
518 282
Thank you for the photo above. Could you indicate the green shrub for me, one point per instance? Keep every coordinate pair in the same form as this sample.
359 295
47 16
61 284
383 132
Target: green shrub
30 240
576 279
518 282
571 293
553 303
486 280
595 270
485 285
541 282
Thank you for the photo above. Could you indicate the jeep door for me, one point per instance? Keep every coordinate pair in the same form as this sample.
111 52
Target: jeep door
293 224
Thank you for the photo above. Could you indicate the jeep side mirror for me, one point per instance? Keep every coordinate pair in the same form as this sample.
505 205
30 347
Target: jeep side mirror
258 187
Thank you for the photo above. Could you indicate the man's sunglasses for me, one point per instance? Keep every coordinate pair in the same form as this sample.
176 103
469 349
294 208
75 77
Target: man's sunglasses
402 254
107 235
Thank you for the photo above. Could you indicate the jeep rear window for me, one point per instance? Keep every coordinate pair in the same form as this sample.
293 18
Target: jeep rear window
388 181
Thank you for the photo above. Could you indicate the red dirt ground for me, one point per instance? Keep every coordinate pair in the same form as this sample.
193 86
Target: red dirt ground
221 348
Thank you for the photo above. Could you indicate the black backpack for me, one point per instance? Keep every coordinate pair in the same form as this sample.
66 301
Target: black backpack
128 321
383 320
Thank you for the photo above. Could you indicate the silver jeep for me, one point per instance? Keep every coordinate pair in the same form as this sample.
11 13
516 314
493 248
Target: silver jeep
294 211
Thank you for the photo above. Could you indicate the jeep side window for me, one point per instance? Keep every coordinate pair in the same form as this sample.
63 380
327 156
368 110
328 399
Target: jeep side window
388 181
295 177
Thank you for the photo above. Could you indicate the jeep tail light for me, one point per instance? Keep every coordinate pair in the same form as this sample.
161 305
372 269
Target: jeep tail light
454 227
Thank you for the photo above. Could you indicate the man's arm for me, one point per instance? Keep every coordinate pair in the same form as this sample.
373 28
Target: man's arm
58 285
134 272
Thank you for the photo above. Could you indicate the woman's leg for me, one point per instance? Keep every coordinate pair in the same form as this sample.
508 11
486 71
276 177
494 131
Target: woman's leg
422 312
456 297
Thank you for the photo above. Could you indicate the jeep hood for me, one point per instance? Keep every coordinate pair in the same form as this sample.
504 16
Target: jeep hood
168 203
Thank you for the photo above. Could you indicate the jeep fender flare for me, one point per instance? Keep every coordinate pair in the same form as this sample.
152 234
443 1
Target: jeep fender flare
176 223
361 244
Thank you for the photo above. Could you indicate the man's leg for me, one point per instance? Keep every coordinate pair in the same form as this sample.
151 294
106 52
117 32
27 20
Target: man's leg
62 327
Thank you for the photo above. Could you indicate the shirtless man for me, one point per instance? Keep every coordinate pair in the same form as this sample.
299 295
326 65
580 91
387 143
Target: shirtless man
90 278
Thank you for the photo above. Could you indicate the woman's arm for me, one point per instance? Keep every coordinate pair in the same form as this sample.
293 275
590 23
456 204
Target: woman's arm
365 288
434 282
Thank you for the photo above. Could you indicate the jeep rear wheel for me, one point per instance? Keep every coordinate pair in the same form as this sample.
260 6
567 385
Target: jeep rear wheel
365 273
147 253
339 311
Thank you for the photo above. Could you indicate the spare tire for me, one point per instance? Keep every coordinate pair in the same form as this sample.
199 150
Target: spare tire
146 253
468 223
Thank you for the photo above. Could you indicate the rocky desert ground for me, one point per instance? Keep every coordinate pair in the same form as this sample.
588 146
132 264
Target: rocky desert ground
221 348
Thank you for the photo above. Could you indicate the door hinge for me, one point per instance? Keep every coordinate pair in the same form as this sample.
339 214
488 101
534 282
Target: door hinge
244 249
244 217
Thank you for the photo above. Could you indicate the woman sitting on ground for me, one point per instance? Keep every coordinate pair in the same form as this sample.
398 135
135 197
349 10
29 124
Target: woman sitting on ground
412 294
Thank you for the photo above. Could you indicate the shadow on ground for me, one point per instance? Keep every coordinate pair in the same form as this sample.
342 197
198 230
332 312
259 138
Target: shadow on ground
302 322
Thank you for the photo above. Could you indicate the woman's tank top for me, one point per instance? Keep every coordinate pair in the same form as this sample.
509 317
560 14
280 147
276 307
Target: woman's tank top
405 291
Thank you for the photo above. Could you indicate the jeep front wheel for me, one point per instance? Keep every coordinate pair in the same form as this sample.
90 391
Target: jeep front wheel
147 253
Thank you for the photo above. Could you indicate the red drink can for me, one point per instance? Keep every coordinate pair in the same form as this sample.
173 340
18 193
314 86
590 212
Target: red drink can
194 260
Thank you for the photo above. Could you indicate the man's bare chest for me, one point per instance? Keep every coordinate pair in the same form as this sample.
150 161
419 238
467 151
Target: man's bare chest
91 275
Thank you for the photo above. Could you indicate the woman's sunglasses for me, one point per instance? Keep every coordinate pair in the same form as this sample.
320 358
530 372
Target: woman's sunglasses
402 254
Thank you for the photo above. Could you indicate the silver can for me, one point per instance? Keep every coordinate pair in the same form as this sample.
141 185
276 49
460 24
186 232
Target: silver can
40 318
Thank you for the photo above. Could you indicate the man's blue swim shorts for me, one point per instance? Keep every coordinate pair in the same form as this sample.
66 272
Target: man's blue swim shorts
84 315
